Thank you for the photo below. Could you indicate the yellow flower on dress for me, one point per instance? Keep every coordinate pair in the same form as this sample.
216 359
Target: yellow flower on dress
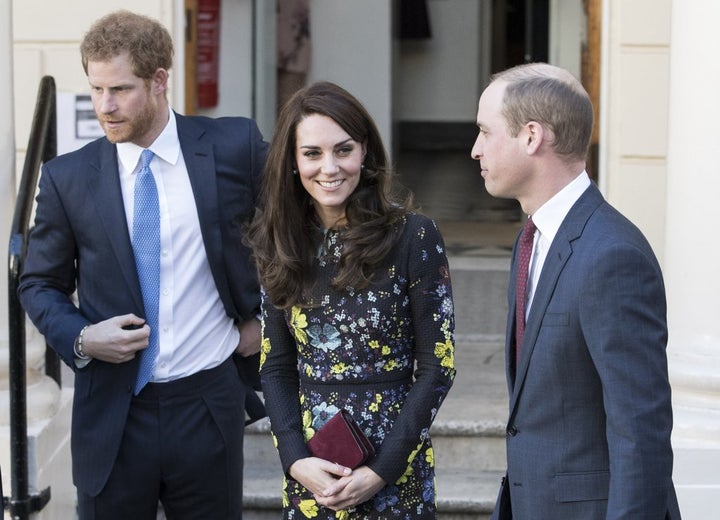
405 476
374 344
390 365
309 508
339 368
342 514
285 499
307 425
385 350
298 321
413 453
264 350
446 353
374 405
430 456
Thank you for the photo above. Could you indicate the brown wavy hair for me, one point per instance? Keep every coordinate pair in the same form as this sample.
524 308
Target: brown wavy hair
286 232
147 42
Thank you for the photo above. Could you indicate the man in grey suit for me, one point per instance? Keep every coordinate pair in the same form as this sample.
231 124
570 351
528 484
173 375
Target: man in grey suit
163 281
588 434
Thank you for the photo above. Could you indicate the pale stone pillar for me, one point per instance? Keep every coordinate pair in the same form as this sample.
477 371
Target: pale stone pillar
7 201
48 408
692 254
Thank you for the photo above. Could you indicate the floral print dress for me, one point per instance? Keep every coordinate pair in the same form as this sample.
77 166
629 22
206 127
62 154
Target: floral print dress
385 354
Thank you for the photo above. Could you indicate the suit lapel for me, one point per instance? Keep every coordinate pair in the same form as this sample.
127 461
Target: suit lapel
202 171
558 255
104 185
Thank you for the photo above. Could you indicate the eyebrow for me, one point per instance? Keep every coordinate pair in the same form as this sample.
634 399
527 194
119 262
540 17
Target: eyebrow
349 139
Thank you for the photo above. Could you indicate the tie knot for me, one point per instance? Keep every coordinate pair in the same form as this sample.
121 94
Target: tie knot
528 230
145 159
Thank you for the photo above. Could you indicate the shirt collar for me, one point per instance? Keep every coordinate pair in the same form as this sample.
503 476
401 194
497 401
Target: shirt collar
551 214
166 146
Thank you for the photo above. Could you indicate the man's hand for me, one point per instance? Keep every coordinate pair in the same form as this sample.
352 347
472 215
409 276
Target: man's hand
249 337
116 340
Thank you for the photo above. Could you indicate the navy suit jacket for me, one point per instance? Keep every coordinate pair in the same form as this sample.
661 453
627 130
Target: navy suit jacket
590 411
80 241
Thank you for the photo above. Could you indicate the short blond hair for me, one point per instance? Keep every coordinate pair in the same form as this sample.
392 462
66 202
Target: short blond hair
553 97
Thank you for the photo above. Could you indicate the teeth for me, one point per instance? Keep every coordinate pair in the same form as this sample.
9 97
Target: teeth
330 184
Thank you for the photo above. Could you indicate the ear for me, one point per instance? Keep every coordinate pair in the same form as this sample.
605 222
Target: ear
159 81
533 136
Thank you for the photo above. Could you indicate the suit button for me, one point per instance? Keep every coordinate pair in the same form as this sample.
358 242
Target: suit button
511 431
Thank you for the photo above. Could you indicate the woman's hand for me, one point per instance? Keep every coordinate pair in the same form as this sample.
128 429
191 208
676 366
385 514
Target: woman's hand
350 490
317 475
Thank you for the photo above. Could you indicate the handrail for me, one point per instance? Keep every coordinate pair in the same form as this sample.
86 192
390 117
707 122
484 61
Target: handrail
42 146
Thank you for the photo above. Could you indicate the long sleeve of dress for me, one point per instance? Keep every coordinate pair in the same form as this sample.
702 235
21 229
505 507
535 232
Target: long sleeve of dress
433 324
384 353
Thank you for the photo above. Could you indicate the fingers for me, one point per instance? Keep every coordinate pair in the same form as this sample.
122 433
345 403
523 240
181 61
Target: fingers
249 337
313 474
351 490
117 339
336 469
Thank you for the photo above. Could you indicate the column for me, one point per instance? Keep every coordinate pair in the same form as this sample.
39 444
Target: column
692 254
7 201
48 409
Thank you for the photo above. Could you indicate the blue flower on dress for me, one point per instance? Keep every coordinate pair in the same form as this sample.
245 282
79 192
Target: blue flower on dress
387 497
428 490
326 339
322 413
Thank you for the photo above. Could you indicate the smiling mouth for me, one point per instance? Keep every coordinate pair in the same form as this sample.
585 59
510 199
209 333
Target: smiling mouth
331 184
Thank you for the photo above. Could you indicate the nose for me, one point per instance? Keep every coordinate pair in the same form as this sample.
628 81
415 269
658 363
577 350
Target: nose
476 151
329 165
105 103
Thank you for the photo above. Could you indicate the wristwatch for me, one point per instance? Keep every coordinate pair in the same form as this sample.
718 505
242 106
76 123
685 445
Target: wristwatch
82 359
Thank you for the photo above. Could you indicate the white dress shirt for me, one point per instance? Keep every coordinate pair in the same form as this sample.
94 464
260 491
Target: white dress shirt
195 333
548 219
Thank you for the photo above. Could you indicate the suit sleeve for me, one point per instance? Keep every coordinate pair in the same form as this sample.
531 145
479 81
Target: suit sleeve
49 273
624 323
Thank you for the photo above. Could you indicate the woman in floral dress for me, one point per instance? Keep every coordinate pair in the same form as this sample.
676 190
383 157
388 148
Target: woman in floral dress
357 312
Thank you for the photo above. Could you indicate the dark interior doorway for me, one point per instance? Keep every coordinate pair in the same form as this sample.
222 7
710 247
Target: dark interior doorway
520 32
434 157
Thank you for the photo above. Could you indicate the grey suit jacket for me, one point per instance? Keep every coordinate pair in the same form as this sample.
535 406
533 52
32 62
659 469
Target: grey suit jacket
590 411
80 241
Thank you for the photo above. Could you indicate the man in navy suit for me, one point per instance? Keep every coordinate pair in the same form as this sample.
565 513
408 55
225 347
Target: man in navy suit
588 434
178 439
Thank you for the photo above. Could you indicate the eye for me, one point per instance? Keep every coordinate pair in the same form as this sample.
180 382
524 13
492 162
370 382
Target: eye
344 151
311 154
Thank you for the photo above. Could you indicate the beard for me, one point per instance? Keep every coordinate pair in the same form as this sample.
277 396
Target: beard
134 128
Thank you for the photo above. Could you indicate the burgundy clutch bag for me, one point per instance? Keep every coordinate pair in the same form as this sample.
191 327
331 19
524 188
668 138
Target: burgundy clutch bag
342 441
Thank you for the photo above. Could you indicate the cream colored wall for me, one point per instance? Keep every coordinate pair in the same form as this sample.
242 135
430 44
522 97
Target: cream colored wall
48 45
634 112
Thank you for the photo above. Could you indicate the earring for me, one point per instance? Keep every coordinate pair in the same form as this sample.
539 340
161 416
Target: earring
295 172
362 167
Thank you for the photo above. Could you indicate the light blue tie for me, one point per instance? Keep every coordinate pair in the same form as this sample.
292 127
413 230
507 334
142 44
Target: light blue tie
146 246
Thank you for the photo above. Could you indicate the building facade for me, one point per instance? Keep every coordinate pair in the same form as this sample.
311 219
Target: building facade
658 76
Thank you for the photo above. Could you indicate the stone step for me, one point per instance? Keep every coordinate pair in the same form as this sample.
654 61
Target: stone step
480 294
461 495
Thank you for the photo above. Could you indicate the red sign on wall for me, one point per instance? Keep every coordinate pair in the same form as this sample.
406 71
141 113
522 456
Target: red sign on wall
208 51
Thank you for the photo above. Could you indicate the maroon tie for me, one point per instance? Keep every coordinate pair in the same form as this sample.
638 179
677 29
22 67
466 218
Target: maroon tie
523 266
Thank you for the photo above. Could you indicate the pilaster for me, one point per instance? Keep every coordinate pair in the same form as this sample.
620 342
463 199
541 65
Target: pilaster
692 254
